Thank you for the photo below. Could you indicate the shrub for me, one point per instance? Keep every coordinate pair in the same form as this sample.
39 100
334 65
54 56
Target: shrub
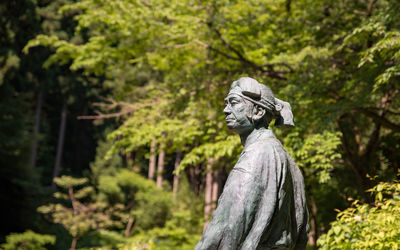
368 226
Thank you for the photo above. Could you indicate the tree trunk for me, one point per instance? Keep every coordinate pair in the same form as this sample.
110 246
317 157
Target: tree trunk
215 190
176 177
208 193
153 158
314 232
36 129
129 226
60 145
74 241
160 167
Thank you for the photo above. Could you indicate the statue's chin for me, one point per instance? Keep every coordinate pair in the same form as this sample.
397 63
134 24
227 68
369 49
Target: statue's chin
232 126
238 127
240 130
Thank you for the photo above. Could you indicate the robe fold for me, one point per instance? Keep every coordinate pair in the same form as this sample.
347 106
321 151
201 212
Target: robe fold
263 203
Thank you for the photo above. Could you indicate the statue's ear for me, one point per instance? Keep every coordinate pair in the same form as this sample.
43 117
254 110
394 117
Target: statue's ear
258 112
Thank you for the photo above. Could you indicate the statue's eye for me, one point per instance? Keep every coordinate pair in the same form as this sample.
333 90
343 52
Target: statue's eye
234 101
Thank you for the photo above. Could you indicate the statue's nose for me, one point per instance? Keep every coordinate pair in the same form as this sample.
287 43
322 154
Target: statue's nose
227 110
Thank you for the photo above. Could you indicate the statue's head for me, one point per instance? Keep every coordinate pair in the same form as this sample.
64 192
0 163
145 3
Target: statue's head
250 104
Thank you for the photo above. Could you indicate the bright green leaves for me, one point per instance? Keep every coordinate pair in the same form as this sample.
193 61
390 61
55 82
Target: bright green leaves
172 236
316 154
69 181
125 33
65 51
78 213
149 205
228 148
110 184
28 240
180 230
386 51
8 62
383 56
368 227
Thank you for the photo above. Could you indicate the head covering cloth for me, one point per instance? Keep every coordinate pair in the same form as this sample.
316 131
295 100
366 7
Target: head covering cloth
259 94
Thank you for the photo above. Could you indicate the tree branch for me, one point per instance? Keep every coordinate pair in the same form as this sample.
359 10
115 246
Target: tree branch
100 115
370 7
73 201
270 71
347 148
239 55
379 119
373 142
389 112
288 5
126 109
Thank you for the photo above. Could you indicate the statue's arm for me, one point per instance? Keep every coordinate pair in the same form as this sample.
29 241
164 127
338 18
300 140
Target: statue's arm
232 219
271 171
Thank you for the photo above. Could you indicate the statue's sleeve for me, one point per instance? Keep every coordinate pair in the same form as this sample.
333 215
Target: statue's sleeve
272 174
247 204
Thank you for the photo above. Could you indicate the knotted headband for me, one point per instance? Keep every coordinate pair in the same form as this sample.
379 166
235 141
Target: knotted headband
259 94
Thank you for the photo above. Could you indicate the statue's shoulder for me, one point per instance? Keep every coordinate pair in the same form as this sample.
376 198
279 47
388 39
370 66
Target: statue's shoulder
266 145
269 140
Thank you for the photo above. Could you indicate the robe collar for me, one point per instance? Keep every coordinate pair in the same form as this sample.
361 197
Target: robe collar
258 134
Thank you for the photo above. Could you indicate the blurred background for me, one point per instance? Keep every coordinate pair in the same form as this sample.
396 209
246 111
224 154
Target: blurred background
112 134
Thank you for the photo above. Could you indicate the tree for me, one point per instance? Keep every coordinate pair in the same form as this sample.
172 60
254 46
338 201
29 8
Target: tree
18 181
337 63
77 217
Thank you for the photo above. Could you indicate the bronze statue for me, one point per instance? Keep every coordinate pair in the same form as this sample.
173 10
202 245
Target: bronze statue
263 203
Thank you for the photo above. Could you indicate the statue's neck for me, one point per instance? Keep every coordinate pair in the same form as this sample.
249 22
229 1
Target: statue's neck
247 138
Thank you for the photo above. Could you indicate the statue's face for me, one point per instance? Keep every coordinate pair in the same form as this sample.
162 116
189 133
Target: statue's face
238 113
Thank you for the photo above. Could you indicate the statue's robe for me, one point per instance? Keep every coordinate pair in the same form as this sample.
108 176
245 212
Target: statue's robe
263 203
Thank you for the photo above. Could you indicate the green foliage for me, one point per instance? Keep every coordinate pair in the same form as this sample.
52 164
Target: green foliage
27 146
67 182
168 237
28 240
78 215
384 54
182 230
364 226
315 154
169 65
228 147
149 205
136 133
102 165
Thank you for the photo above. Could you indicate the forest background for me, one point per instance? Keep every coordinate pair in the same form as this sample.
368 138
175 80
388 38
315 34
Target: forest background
111 125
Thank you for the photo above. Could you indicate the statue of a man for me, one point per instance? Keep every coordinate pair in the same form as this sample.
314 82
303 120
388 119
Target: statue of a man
263 204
